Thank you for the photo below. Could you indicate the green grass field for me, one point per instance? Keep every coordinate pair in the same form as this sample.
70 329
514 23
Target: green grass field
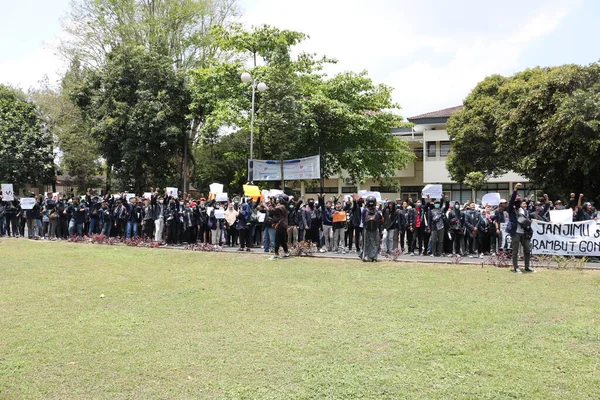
180 324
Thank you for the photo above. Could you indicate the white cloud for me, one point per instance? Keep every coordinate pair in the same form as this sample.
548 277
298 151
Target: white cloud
431 60
27 71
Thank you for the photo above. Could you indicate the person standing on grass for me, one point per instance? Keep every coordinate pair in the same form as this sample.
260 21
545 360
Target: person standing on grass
243 226
519 227
311 219
371 218
436 223
339 223
279 218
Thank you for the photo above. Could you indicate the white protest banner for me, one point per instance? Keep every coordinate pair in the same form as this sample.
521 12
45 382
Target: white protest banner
260 216
8 194
172 191
434 191
220 213
209 210
506 238
147 195
129 196
492 199
221 197
276 192
216 188
364 194
568 239
266 193
561 216
298 169
27 203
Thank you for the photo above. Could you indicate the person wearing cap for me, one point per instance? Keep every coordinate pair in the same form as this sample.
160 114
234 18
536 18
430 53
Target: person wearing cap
558 205
585 212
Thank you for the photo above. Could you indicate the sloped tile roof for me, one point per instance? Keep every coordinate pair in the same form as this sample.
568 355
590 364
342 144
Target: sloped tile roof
445 113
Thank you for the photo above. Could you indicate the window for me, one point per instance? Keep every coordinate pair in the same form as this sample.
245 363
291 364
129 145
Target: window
383 189
431 149
444 149
349 189
317 189
419 153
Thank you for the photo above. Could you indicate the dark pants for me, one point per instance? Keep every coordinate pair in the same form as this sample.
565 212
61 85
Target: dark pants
459 242
418 239
232 236
401 237
148 229
243 233
356 232
62 228
281 240
437 243
518 240
312 234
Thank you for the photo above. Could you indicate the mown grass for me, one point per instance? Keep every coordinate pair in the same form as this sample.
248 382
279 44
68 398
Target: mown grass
177 324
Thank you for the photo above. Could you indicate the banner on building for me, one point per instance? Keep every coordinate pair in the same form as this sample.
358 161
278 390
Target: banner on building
566 239
8 194
298 169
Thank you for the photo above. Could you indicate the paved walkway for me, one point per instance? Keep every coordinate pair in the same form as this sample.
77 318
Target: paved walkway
407 258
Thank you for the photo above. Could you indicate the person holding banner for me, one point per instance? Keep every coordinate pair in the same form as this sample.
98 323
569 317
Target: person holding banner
519 228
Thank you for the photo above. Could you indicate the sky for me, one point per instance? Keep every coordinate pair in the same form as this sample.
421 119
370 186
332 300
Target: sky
431 52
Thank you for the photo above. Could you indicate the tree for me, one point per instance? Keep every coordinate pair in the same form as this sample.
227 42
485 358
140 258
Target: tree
178 29
136 109
543 123
346 118
26 154
475 180
79 155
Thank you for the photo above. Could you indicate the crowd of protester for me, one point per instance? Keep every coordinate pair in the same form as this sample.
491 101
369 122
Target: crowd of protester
435 227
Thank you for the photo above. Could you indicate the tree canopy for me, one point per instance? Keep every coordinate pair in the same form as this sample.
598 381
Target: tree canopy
543 123
26 154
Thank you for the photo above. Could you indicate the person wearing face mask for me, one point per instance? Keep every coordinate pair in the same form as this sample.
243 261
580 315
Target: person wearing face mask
231 215
456 221
390 223
311 220
171 220
520 231
327 220
106 218
147 219
371 218
293 234
435 225
402 224
339 222
134 217
418 228
499 217
158 213
356 228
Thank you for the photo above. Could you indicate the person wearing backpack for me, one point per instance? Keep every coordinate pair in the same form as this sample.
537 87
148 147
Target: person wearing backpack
519 228
371 218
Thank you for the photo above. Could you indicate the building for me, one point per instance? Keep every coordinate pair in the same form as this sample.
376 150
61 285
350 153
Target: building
431 144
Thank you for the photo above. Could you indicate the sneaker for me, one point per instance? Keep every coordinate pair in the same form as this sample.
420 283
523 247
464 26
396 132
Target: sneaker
431 255
286 255
343 251
240 249
248 249
480 255
322 251
274 257
470 255
529 270
518 271
493 254
415 253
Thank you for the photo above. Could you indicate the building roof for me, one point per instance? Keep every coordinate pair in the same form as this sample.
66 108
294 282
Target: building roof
445 113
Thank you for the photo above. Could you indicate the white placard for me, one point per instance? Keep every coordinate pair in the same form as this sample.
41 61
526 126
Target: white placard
129 196
147 195
298 169
276 192
220 213
364 194
221 197
8 194
561 216
434 191
27 203
266 193
492 199
216 188
173 192
209 210
568 239
260 216
506 238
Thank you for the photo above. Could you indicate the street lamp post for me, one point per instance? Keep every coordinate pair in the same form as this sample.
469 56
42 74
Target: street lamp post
247 78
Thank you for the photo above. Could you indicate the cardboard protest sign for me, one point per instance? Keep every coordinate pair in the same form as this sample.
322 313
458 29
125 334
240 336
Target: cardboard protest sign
251 191
561 216
216 188
8 194
492 199
433 191
27 203
222 197
173 192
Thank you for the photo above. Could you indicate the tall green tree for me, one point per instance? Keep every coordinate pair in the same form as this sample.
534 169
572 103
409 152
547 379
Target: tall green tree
136 108
178 29
543 123
346 118
79 154
26 151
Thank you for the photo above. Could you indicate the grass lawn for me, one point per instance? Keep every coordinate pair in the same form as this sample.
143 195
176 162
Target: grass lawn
180 324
